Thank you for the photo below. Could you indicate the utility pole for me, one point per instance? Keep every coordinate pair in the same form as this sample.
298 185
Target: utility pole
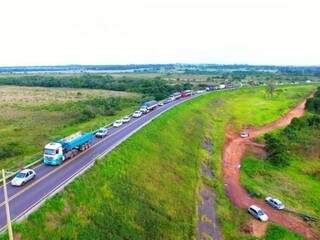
7 205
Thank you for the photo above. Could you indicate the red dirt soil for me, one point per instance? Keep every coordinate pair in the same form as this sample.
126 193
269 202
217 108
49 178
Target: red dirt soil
234 149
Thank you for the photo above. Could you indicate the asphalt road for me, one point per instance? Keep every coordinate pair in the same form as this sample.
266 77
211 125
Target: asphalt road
51 179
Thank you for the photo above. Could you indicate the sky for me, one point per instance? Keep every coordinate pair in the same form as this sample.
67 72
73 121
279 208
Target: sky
58 32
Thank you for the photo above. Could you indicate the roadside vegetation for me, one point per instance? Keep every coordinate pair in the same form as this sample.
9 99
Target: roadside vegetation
152 87
291 170
32 116
147 187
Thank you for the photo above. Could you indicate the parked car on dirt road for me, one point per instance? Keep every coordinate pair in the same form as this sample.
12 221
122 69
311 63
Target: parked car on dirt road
276 203
244 134
258 213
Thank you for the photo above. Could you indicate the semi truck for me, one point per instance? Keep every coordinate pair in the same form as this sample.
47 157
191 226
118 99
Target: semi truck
186 93
56 152
176 96
150 105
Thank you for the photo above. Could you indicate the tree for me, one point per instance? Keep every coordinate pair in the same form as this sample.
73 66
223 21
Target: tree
277 151
271 87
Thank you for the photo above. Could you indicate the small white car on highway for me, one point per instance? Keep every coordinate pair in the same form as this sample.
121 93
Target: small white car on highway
23 177
117 123
258 213
101 133
160 103
276 203
144 109
126 119
137 114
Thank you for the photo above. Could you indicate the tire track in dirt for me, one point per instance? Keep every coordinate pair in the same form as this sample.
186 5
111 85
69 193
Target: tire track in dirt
234 149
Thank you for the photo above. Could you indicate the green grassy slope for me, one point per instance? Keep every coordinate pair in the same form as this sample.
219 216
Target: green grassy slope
146 188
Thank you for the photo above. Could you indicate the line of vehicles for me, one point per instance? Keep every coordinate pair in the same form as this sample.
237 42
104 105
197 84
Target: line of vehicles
55 153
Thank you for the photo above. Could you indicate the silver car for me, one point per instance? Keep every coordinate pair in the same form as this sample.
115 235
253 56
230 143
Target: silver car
258 213
276 203
244 134
144 109
137 114
23 177
126 119
117 123
101 133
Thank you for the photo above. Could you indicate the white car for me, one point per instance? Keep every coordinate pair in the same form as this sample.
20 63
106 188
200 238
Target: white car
101 133
144 109
276 203
126 119
137 114
117 123
258 213
23 177
160 103
244 134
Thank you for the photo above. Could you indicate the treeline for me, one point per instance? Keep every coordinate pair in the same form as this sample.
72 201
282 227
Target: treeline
299 139
156 87
252 75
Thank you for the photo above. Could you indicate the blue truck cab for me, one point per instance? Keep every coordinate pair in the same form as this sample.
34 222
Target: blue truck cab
56 152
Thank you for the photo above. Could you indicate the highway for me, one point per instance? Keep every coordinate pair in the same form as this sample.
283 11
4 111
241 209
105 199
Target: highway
51 179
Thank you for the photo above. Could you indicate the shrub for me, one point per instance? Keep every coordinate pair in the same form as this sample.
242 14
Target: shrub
277 151
10 150
313 105
314 121
86 115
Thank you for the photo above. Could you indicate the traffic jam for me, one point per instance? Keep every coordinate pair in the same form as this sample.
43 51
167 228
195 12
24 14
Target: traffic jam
55 153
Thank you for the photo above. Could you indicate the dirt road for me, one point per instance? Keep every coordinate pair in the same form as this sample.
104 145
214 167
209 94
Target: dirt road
234 149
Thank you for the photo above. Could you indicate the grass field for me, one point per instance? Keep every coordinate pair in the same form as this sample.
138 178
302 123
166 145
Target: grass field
276 232
146 188
35 96
31 116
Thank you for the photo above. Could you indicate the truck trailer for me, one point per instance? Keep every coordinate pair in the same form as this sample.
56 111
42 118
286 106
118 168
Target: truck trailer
186 93
56 152
175 96
150 105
